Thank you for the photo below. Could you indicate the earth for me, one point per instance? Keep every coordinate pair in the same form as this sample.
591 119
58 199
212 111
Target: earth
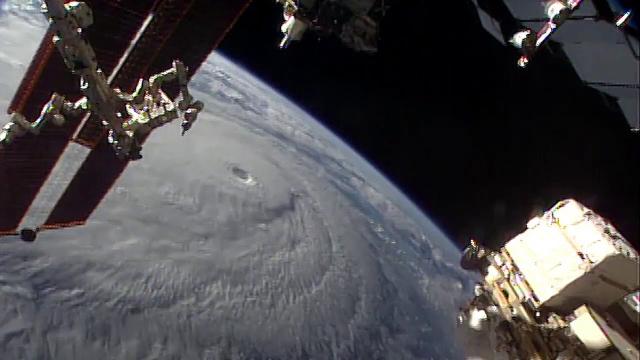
258 235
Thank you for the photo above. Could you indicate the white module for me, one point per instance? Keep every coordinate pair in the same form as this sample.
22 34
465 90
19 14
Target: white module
571 256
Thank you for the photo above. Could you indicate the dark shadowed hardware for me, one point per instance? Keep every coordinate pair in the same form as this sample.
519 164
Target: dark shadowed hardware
355 22
598 38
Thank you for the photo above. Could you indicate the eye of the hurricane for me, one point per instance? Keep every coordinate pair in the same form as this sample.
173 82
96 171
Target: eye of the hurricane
242 175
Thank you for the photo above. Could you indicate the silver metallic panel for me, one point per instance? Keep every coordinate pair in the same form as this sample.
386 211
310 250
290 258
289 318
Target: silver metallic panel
55 185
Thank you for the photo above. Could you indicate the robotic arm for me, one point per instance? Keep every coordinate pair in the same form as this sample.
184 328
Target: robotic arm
54 111
293 27
150 107
147 107
184 101
528 41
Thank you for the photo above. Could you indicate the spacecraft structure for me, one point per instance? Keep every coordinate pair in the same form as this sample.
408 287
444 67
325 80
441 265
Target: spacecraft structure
126 116
57 162
354 22
565 288
556 13
597 39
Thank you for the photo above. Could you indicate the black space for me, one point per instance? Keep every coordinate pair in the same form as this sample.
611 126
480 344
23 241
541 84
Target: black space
477 143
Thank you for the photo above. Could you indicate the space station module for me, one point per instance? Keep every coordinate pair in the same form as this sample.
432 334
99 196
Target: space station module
354 22
565 288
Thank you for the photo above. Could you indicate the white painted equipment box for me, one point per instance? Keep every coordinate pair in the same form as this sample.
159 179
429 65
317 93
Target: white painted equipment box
571 256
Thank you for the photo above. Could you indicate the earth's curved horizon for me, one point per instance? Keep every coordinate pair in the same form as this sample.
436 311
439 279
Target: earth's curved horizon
257 235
